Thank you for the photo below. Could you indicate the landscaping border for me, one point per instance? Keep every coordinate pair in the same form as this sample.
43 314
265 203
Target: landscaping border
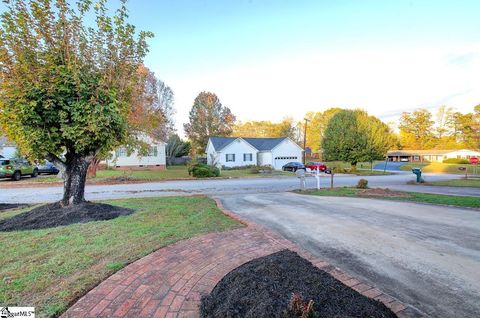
170 281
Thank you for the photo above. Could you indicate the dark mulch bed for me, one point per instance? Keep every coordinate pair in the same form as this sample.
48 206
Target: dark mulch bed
263 288
53 215
8 206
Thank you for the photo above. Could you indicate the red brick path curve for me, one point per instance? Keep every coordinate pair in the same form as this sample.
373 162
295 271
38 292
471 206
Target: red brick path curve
171 281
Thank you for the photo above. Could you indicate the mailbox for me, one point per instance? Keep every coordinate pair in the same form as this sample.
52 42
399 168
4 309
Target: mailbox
418 173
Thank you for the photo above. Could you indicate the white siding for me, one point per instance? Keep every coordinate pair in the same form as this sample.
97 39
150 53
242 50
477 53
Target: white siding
462 154
265 158
238 147
211 153
134 160
287 151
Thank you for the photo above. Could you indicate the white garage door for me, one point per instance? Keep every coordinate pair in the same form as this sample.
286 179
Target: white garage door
280 161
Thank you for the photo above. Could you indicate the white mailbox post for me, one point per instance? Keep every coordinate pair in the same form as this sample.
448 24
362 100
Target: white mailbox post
317 176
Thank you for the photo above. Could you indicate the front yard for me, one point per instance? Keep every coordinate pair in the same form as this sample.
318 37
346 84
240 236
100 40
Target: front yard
437 167
461 201
171 173
474 183
51 268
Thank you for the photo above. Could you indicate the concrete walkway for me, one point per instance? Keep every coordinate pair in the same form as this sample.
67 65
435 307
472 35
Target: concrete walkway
171 281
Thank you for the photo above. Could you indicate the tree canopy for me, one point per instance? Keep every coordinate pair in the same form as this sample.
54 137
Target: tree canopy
67 84
208 117
354 136
287 127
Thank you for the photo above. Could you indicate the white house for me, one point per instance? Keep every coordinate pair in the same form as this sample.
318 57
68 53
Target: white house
431 155
239 151
155 159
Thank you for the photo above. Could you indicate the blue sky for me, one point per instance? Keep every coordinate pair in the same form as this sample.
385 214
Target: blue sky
267 59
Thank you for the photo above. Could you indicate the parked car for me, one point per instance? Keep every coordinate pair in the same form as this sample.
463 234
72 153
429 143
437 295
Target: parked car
48 168
316 166
293 166
16 168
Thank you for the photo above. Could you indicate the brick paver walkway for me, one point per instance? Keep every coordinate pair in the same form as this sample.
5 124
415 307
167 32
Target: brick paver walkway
171 281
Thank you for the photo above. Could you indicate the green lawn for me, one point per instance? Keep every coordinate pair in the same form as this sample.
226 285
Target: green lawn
437 167
462 201
50 268
171 173
363 168
474 183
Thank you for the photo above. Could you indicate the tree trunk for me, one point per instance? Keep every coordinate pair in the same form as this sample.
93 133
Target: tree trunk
74 169
74 181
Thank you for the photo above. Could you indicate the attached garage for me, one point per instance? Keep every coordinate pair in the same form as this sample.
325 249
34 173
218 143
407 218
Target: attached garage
274 152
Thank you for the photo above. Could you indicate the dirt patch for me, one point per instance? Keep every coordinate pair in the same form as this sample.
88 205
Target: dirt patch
263 288
53 215
379 192
8 206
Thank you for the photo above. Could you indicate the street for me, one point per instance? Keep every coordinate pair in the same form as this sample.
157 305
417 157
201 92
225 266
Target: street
426 256
223 187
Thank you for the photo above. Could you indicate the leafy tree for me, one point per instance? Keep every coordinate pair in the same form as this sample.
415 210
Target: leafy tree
354 136
467 129
67 84
151 114
416 129
208 117
317 123
152 108
267 129
175 148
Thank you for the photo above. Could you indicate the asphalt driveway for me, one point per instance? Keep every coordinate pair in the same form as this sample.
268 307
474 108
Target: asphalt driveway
427 256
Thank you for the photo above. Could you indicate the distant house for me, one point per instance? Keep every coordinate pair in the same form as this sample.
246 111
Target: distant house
239 151
430 155
7 148
155 159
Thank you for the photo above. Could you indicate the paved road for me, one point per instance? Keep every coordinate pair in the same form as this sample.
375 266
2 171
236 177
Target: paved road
391 166
427 256
216 187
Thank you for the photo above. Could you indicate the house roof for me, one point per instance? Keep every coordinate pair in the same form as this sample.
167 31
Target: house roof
261 144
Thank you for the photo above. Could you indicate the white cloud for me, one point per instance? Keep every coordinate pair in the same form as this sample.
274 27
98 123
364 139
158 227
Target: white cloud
383 82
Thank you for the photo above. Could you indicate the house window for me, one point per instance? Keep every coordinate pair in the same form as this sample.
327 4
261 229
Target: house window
230 157
416 158
153 151
286 158
121 152
247 157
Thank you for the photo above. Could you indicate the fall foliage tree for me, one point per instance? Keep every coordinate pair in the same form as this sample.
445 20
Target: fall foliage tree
317 123
417 130
67 82
354 136
208 117
287 127
150 114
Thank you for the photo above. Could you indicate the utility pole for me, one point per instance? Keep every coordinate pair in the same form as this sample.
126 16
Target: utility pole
305 141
